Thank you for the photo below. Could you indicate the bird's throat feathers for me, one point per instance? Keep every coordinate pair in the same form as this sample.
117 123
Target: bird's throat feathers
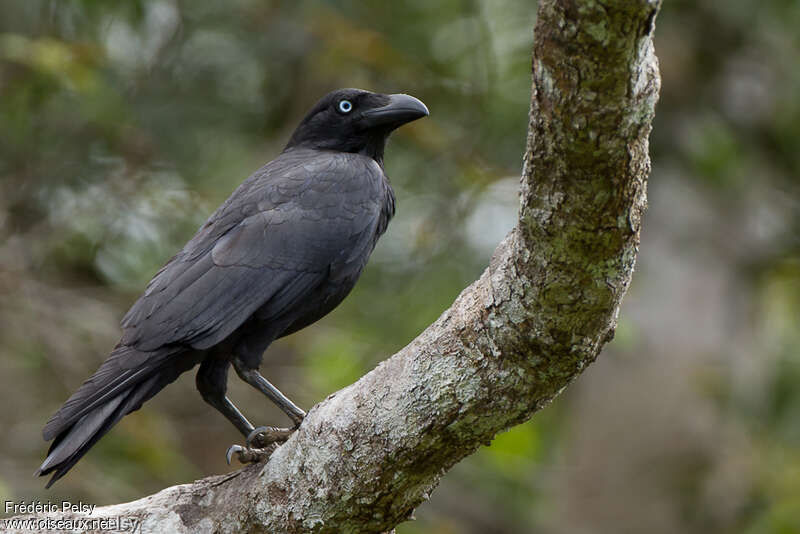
370 143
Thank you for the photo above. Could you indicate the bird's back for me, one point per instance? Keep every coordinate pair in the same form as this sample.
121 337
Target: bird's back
305 219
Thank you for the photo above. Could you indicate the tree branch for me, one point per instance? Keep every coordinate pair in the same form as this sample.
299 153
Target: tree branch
369 454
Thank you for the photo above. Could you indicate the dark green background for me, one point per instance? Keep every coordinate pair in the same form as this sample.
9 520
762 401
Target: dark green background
124 124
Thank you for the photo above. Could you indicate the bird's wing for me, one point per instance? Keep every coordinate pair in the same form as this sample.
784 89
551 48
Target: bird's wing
273 241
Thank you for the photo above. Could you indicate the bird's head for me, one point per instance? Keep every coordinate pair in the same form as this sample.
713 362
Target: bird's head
354 120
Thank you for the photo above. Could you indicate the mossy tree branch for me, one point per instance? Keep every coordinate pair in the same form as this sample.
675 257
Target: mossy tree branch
369 454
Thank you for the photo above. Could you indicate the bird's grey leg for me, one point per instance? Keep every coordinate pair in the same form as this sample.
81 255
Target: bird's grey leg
254 378
212 378
264 438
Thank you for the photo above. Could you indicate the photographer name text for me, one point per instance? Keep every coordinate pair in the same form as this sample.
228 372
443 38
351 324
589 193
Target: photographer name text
39 507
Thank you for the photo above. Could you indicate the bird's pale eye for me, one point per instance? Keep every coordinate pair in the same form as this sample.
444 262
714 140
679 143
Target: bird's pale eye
345 106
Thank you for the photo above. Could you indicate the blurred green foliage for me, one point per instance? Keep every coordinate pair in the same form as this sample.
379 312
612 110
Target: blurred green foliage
124 124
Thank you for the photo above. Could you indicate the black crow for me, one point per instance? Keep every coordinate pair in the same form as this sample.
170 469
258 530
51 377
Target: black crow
279 254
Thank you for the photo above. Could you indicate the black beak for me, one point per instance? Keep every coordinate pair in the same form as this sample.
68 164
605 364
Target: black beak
400 110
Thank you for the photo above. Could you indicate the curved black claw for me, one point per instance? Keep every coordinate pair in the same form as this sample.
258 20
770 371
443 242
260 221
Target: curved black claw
233 449
267 435
248 455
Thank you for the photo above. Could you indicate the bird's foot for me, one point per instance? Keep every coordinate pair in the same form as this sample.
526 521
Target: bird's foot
259 445
249 455
264 436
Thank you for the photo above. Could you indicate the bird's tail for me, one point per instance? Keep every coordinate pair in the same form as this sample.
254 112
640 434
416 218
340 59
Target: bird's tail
120 386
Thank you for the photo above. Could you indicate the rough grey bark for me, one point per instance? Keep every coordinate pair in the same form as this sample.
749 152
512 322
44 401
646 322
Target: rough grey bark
369 454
